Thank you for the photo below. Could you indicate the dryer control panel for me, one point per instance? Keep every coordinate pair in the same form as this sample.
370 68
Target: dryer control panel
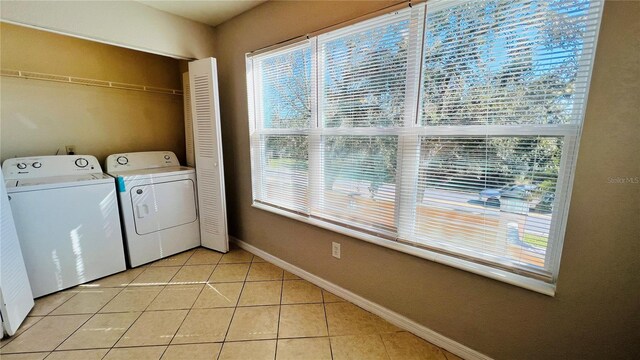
141 160
49 166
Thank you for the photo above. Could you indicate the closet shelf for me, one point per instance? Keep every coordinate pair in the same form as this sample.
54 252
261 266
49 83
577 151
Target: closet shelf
88 82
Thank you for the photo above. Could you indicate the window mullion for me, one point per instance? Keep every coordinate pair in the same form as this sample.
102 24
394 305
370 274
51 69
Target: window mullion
256 165
406 196
254 85
561 204
409 142
316 175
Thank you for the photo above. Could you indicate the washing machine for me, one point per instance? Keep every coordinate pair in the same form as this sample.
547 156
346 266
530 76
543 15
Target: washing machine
66 215
158 204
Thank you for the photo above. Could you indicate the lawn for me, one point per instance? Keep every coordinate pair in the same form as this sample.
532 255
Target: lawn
536 240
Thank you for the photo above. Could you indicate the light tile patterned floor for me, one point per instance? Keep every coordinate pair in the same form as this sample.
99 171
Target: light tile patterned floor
201 304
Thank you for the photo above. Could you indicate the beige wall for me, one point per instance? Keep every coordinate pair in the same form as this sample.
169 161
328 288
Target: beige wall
596 311
39 117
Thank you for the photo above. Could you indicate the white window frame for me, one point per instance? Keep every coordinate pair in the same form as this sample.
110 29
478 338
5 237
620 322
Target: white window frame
408 138
256 128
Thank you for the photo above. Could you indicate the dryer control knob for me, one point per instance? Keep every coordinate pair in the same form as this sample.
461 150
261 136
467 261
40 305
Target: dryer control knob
37 165
167 157
122 160
21 166
82 162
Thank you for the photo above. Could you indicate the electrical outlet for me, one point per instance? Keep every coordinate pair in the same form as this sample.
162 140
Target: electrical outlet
335 250
71 149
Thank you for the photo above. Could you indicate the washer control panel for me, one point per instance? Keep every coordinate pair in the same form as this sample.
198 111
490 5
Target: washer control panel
122 160
47 166
141 160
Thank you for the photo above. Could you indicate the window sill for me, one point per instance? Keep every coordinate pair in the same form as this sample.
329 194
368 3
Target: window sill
483 270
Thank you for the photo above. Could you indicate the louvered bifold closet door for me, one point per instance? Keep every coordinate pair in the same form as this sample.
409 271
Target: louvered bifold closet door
16 297
188 121
502 93
207 140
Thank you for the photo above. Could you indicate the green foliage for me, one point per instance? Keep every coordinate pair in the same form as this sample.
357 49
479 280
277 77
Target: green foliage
506 74
287 151
365 78
365 158
287 90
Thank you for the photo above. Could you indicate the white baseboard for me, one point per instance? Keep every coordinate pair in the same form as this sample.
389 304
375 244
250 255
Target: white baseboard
391 316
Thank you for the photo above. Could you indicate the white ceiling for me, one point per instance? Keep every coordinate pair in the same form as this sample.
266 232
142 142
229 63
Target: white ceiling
211 12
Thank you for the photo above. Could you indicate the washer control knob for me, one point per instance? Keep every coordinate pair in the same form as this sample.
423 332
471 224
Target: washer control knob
81 162
37 165
167 157
21 166
122 160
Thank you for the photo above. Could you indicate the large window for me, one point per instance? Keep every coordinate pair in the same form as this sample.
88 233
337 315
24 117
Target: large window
447 130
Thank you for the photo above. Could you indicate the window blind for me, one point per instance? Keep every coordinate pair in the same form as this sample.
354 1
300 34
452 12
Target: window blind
363 73
522 62
359 182
488 197
448 130
283 116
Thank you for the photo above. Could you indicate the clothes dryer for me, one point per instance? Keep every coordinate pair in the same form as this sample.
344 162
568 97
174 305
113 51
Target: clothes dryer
158 204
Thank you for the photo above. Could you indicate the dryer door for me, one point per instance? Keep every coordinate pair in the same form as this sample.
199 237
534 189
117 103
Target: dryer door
163 205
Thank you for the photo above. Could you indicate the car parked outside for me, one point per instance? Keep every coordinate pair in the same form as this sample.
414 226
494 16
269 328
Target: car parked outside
523 192
538 201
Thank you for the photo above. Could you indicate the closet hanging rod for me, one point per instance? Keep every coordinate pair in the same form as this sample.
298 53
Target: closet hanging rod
88 82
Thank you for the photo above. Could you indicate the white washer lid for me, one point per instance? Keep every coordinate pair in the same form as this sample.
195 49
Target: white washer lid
57 182
155 172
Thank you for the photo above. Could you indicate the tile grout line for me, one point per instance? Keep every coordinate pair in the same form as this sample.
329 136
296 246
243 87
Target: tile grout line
27 352
283 338
224 340
50 315
145 309
275 354
385 346
368 311
197 281
192 253
15 336
121 290
142 312
85 322
151 302
191 307
192 250
91 315
188 311
124 332
62 303
326 318
445 353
